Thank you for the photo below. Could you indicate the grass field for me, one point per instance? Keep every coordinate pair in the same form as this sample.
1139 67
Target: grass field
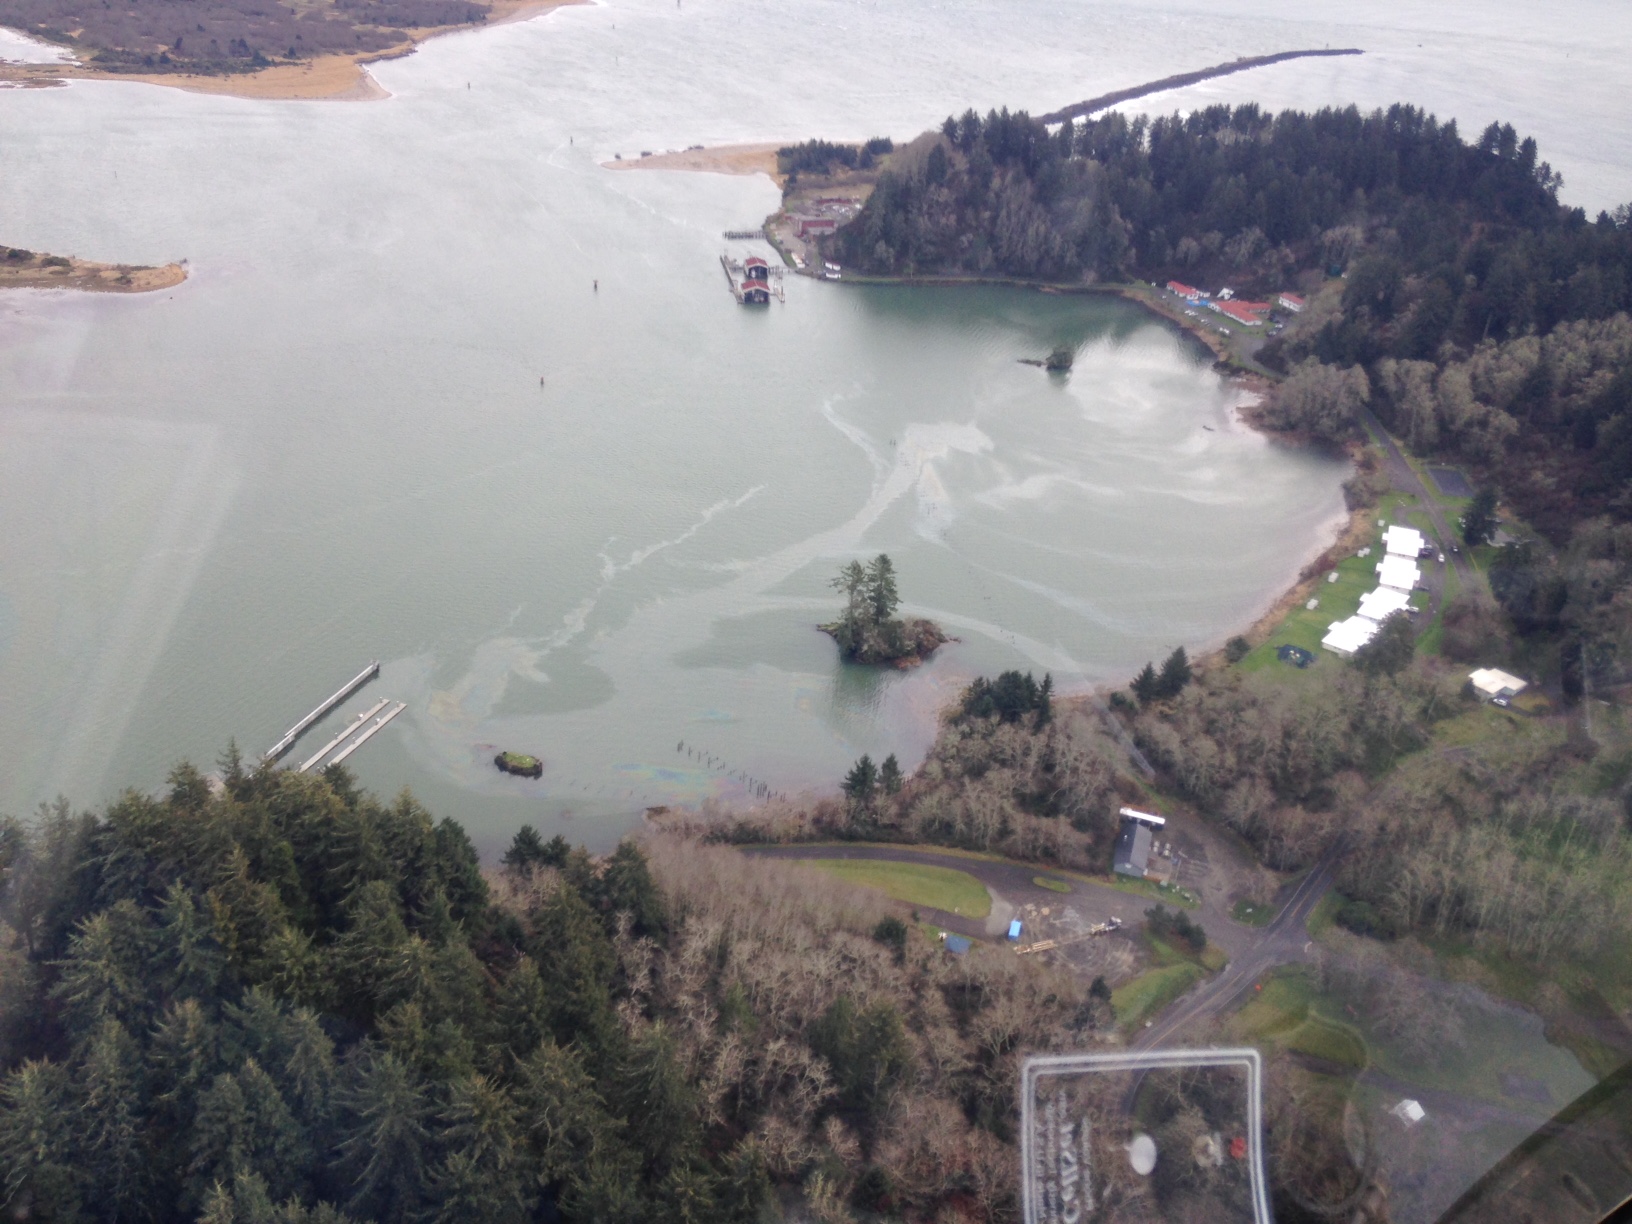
1151 991
1283 1013
1252 913
1338 600
942 888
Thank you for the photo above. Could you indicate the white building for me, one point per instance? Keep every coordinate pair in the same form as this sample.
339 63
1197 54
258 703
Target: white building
1347 636
1493 685
1401 573
1404 542
1382 603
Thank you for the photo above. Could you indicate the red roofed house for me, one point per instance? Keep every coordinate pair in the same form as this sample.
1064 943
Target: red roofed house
1243 312
1292 302
1184 291
755 269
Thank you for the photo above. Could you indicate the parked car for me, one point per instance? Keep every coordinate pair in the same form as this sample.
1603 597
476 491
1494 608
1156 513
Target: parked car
1442 558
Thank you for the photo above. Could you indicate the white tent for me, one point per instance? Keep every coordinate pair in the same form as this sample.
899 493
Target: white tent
1404 542
1382 603
1401 573
1347 636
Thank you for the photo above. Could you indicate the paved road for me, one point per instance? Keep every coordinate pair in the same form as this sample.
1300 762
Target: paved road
1404 478
1284 941
1010 885
1253 952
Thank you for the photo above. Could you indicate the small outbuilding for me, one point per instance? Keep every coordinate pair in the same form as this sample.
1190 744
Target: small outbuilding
1489 684
958 944
1292 302
1014 929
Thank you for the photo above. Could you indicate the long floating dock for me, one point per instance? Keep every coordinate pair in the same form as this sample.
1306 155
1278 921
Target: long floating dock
339 739
276 752
369 734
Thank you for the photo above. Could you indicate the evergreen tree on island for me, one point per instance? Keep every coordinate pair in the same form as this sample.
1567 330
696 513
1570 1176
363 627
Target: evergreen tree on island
868 630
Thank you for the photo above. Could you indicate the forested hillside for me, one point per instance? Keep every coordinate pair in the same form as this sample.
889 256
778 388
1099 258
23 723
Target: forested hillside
284 1001
1449 292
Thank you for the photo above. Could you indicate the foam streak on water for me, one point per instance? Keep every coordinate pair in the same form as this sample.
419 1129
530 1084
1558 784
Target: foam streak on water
333 442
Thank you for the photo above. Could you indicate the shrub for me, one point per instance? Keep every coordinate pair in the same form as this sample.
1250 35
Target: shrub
1237 648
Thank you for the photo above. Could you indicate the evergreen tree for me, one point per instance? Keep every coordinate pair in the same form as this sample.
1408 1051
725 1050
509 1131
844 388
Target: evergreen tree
386 1144
1045 691
1175 674
882 598
1391 650
39 1163
861 782
526 848
524 1009
889 775
1479 521
1145 685
626 886
484 1174
110 1122
852 581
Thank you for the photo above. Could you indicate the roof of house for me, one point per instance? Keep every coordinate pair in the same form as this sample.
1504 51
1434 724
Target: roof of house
1398 572
1382 603
1182 289
1132 849
1404 541
1490 680
1239 313
1344 637
1294 298
753 260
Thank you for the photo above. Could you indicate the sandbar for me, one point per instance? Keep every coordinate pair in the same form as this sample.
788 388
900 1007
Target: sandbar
330 78
37 271
721 159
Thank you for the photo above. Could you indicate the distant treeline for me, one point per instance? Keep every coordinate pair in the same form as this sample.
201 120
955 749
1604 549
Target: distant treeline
824 157
282 1001
228 36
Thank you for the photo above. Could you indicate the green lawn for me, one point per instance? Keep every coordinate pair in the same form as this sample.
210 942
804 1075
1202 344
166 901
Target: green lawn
1144 996
1252 913
1338 601
942 888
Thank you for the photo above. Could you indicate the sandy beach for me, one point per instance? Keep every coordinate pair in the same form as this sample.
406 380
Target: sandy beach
47 272
329 78
721 159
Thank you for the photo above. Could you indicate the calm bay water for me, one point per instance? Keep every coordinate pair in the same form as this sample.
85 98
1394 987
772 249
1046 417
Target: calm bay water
332 443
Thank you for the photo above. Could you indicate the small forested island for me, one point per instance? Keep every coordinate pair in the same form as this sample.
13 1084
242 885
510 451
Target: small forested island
22 269
868 631
520 764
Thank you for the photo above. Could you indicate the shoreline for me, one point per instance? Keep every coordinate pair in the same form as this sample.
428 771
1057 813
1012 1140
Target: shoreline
41 271
736 159
324 78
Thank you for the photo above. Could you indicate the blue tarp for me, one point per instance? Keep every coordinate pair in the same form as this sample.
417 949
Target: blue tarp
1014 929
958 945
